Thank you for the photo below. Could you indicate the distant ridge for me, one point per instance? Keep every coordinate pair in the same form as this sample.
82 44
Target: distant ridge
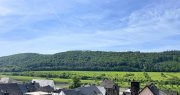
168 61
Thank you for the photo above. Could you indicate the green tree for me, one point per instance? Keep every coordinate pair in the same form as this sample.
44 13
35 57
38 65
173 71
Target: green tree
168 61
76 82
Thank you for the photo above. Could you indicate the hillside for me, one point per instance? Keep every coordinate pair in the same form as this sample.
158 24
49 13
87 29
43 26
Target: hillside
168 61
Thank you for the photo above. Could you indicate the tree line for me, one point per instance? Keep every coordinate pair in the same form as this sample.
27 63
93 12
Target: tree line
168 61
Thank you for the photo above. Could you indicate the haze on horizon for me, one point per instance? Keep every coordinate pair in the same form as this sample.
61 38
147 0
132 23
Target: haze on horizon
52 26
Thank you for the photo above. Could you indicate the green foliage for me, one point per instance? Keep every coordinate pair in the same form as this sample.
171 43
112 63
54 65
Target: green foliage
128 75
64 75
163 75
101 77
76 82
168 61
146 75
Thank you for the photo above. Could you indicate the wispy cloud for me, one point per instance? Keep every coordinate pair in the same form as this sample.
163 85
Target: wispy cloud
45 26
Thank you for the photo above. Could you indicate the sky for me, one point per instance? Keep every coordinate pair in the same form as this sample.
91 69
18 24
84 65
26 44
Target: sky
52 26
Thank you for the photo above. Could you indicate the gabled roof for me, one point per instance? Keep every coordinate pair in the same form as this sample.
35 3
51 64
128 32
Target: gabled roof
32 87
154 89
23 88
44 83
107 84
11 88
7 80
69 92
91 90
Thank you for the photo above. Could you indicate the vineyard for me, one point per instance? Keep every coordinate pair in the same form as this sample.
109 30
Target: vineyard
164 80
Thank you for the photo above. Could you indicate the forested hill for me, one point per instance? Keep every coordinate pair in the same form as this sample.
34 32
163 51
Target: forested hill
168 61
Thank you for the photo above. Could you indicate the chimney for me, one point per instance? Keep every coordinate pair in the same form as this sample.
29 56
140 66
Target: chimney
6 93
135 87
34 82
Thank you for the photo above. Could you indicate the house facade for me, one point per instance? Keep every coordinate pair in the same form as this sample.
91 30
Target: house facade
111 87
146 91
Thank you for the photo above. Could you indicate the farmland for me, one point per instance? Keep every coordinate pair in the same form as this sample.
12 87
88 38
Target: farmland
164 80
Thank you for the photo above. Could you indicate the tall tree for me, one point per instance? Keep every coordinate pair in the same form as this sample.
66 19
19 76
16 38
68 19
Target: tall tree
76 82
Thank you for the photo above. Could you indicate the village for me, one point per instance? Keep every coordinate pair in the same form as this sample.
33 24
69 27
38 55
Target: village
10 86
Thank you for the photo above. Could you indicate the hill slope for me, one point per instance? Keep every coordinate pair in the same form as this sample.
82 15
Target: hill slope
93 60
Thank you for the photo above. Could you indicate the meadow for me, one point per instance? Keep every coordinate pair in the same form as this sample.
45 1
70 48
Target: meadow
164 80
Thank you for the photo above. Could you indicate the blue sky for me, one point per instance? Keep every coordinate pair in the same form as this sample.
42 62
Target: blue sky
51 26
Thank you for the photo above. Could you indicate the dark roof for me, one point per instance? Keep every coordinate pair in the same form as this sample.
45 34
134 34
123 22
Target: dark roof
23 88
11 88
107 84
153 89
1 93
32 87
70 92
46 89
171 92
91 90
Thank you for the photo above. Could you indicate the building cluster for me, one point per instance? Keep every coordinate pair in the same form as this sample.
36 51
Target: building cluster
47 87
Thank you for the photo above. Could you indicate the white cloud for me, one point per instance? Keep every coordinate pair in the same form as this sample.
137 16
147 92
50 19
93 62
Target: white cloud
147 29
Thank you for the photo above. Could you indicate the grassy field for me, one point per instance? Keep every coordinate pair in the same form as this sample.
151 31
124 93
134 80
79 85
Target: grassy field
164 80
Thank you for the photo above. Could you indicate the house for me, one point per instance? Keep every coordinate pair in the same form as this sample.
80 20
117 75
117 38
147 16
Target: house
37 93
91 90
69 92
37 86
111 87
7 80
46 89
151 89
31 87
10 89
44 83
23 88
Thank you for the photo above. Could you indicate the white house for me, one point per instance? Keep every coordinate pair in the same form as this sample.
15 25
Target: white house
7 80
44 83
